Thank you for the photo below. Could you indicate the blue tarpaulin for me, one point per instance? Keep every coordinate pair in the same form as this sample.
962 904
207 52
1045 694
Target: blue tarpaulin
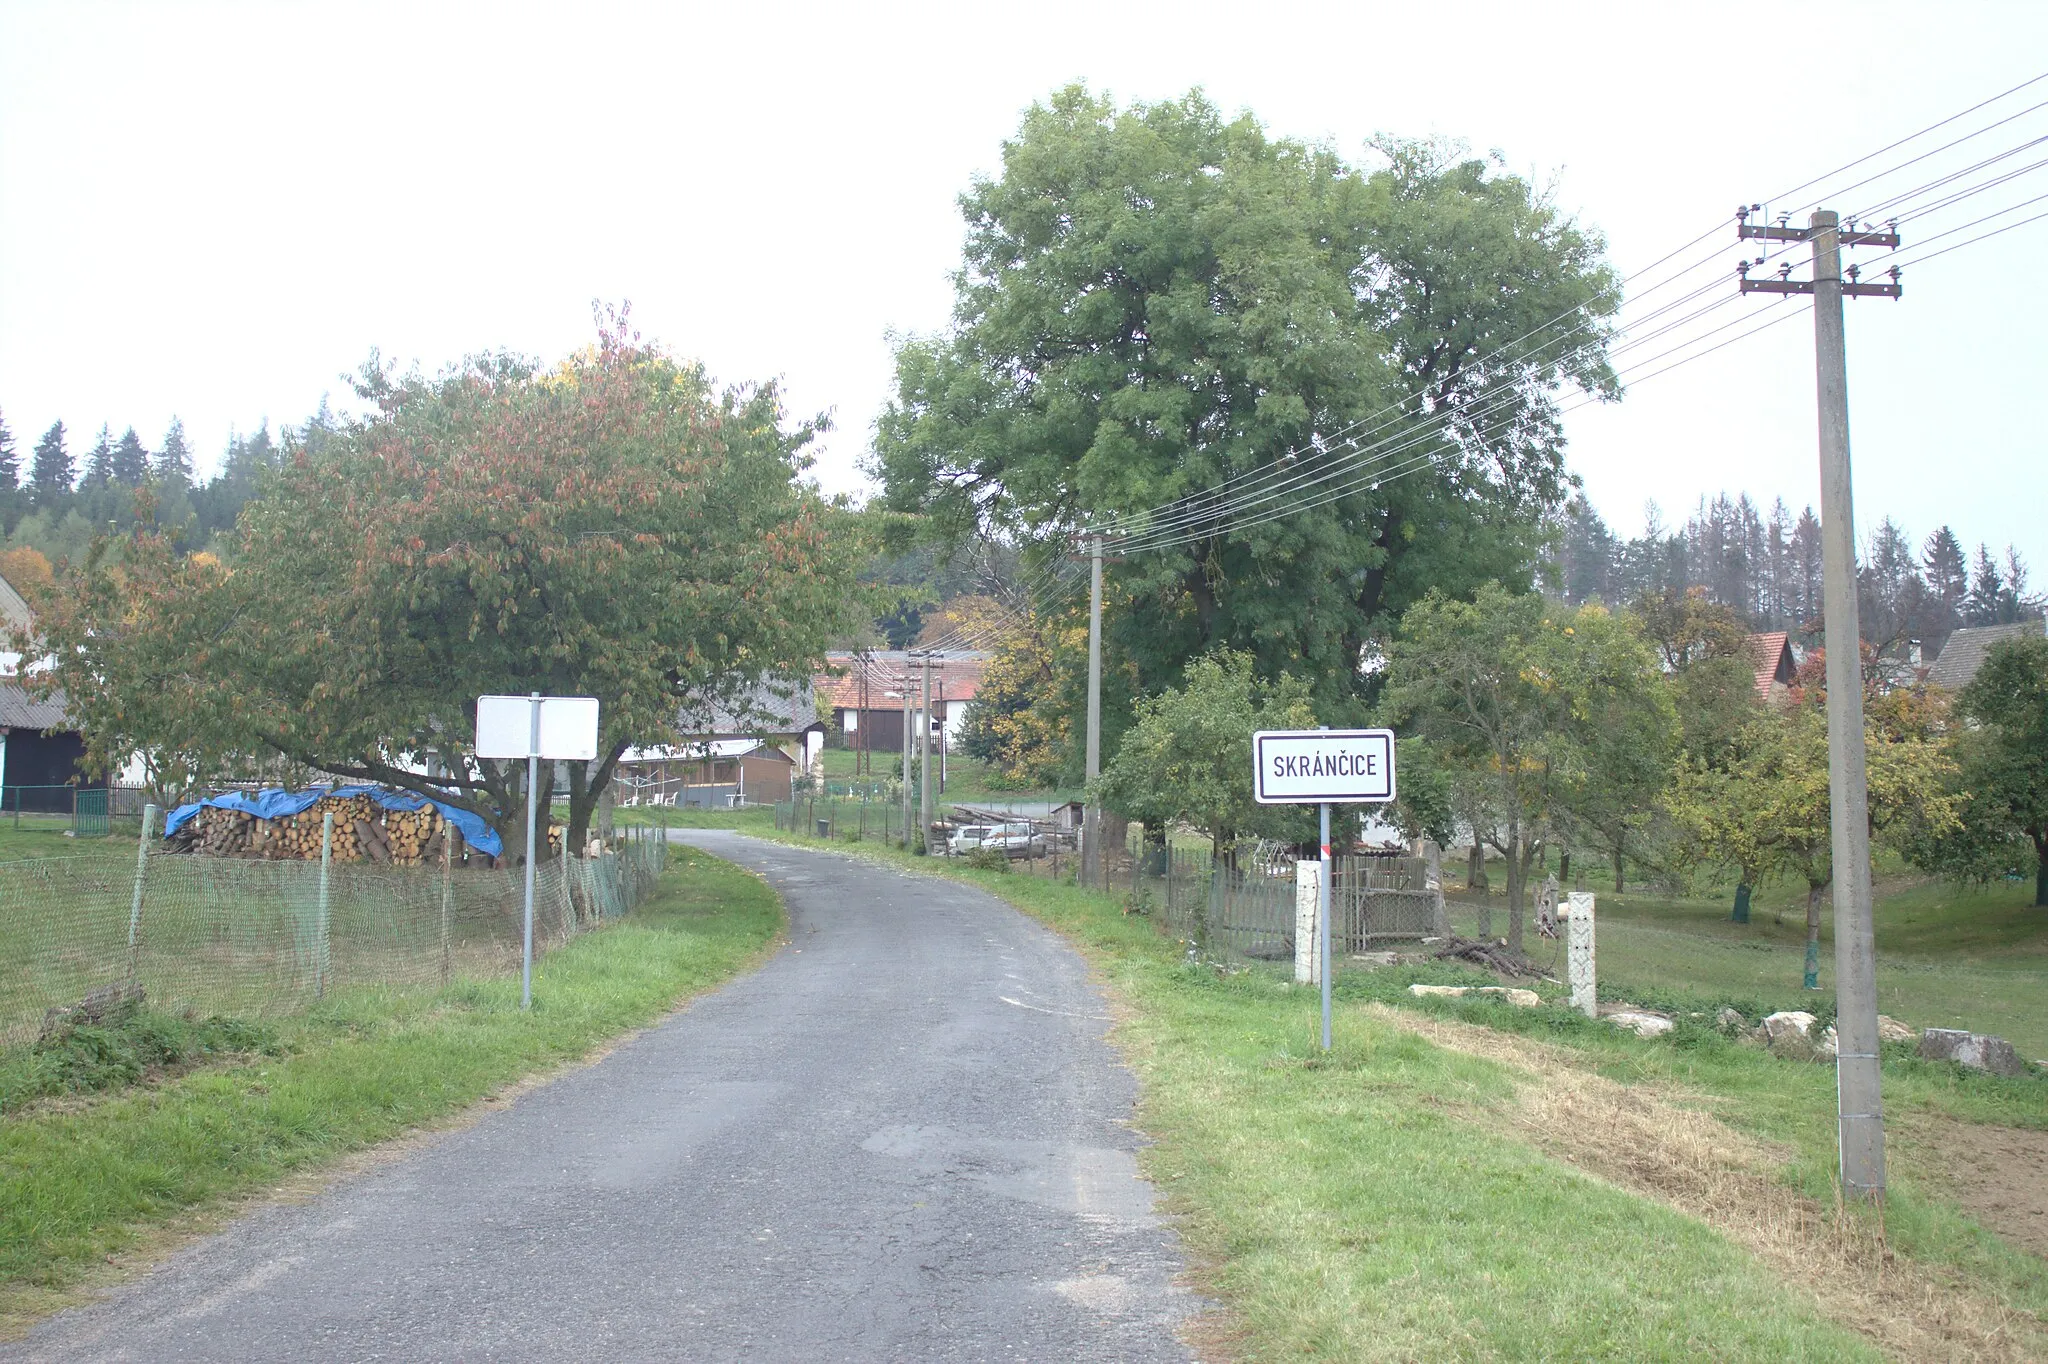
276 803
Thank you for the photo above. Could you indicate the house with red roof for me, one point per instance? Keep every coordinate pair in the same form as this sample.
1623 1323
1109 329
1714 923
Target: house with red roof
865 692
1770 653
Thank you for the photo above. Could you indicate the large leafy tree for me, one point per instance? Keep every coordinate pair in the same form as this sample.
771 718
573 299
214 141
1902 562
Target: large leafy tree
612 528
1531 709
1155 299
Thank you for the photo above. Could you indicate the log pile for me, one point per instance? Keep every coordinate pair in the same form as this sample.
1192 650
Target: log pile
363 832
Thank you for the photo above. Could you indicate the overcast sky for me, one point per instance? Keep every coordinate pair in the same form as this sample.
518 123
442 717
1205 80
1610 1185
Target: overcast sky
216 209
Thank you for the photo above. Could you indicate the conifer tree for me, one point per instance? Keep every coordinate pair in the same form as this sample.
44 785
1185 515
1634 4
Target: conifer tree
50 475
174 461
10 478
99 461
1987 589
130 461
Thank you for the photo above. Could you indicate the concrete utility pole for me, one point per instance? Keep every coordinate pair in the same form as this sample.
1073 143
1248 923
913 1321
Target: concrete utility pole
1091 813
926 813
1859 1098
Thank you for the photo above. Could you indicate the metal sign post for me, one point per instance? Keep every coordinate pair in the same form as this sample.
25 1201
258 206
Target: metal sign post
1323 767
535 727
1323 920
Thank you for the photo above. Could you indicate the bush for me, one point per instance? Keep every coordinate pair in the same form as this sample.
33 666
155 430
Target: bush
989 859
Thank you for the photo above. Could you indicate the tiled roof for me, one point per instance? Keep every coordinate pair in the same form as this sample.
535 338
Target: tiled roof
959 671
1964 652
1770 654
19 710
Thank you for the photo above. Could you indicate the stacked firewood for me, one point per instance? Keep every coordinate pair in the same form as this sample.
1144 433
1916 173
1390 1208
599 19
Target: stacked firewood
362 832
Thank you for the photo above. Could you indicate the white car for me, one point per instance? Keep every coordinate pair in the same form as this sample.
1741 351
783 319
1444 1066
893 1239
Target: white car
1020 839
966 839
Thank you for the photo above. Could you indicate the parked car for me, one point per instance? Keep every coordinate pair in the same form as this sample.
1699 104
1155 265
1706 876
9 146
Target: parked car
1019 839
965 839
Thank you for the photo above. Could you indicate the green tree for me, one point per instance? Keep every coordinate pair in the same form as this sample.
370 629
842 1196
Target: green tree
2002 752
173 466
1155 299
1187 758
10 478
50 473
130 631
1768 811
1511 692
1019 722
129 464
611 528
99 461
1627 727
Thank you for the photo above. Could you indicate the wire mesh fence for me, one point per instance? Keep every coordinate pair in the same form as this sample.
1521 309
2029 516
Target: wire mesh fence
235 936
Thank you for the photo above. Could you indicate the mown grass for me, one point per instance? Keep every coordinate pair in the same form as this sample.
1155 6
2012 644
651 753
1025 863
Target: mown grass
1367 1205
50 836
84 1180
1948 956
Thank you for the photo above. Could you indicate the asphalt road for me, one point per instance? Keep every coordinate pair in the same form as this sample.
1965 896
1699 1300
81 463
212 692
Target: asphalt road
904 1138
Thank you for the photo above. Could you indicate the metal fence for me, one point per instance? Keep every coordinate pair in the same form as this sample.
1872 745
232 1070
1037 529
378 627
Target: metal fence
235 936
1243 911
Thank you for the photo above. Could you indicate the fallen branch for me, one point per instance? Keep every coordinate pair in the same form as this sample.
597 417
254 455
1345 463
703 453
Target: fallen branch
1490 955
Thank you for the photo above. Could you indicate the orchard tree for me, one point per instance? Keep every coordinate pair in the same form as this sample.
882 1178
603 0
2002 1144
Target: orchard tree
1628 728
1187 759
1156 299
1531 708
611 527
1768 811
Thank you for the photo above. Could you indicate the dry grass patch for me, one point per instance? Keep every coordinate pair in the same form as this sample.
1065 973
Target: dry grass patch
1652 1143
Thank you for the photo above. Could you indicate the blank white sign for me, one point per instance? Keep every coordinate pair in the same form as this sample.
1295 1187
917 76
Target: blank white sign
568 727
1309 766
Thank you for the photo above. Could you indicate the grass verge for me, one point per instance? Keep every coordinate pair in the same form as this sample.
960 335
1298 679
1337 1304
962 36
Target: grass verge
1464 1180
86 1179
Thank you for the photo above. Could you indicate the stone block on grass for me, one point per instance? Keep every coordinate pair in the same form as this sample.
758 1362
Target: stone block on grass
1525 999
1972 1049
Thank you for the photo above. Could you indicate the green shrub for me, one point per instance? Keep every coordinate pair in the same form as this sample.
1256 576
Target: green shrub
989 859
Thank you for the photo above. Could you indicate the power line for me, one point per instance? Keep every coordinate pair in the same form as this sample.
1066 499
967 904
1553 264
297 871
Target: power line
1910 137
1440 427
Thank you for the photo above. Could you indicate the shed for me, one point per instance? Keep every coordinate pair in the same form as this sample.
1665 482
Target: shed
713 774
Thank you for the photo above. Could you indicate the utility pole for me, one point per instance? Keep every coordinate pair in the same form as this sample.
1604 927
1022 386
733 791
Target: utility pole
924 755
1091 812
1859 1099
906 750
